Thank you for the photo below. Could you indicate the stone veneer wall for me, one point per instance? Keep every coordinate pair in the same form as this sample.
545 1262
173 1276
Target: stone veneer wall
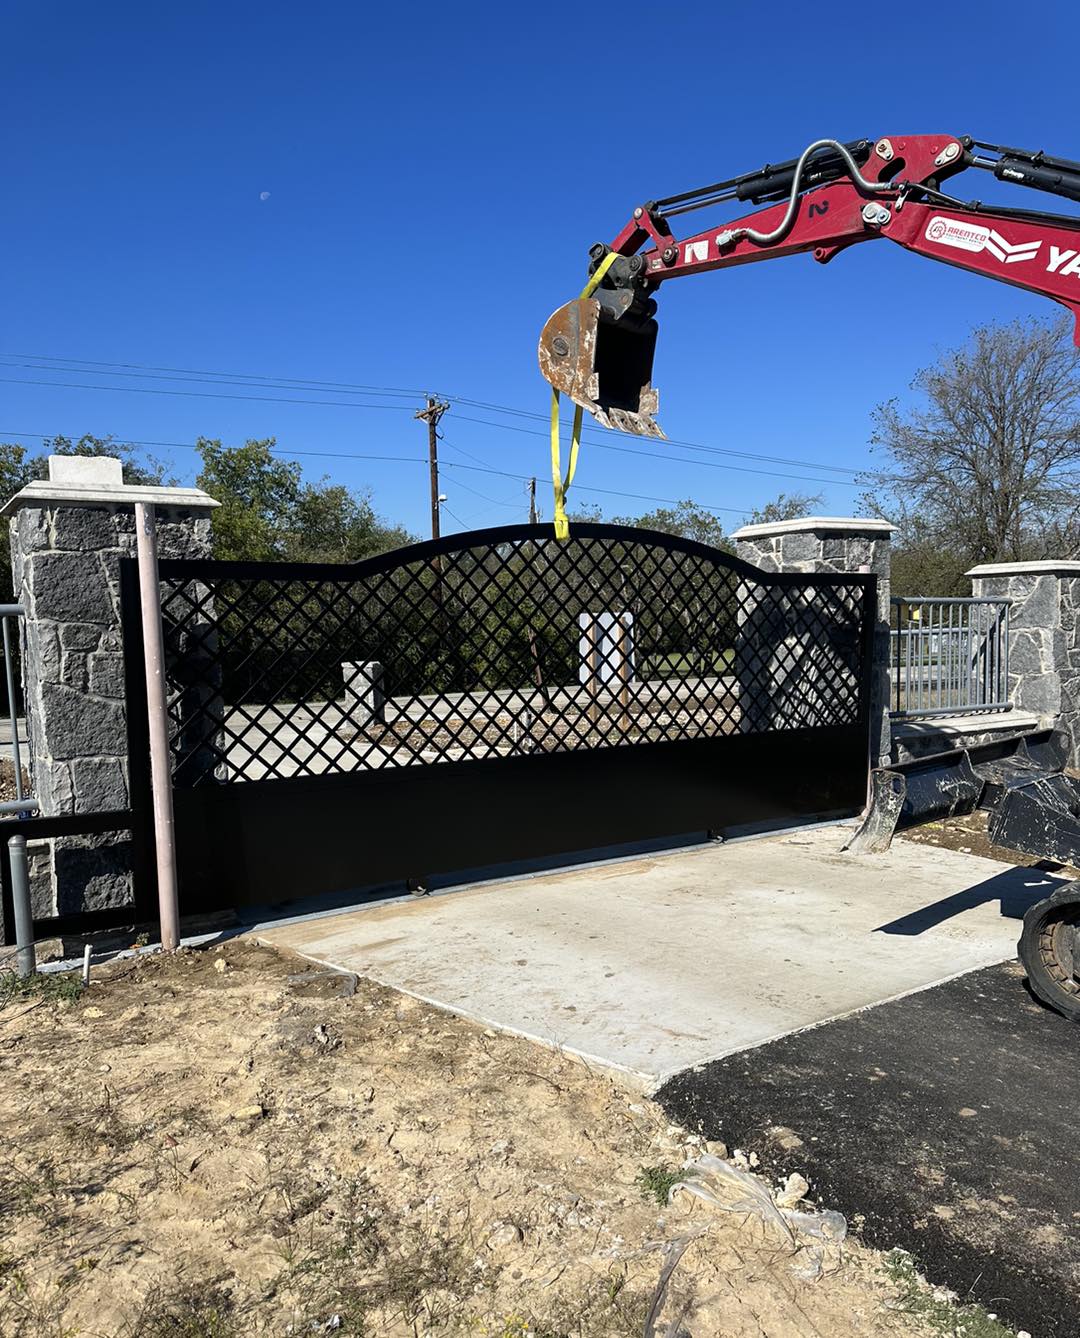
819 544
65 564
1044 638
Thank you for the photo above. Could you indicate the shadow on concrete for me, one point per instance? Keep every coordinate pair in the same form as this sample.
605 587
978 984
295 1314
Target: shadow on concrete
1016 890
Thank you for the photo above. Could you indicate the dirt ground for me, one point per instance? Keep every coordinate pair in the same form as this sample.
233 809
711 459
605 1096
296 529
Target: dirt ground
967 833
7 780
227 1143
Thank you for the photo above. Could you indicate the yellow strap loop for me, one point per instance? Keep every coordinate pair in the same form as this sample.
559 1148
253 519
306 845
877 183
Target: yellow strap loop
561 483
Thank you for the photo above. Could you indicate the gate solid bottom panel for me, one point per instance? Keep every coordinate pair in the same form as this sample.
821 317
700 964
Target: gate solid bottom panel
262 842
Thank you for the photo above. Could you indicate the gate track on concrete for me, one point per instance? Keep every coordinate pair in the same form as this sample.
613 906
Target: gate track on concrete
943 1122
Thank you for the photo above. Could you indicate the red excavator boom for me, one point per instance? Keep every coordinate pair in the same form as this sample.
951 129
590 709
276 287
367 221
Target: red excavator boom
598 350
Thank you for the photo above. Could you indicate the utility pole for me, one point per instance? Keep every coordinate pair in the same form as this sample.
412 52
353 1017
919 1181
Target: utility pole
532 502
431 415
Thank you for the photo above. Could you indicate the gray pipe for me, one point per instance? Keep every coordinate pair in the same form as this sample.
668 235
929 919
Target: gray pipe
25 956
780 232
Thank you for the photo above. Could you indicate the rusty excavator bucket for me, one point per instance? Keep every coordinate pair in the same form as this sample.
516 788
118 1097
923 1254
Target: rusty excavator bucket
598 352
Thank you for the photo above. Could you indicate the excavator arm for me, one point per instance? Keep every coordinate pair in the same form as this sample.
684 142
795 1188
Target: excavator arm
599 350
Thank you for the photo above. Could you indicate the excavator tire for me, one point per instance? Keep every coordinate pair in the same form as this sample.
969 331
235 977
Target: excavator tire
1049 949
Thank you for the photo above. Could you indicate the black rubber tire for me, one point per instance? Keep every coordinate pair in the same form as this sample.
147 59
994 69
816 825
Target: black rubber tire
1043 954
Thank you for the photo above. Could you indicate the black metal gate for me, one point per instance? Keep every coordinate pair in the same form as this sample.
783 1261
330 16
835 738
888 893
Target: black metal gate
496 696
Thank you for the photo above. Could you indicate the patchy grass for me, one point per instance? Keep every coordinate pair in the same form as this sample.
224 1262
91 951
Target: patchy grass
938 1310
55 986
655 1182
194 1310
225 1145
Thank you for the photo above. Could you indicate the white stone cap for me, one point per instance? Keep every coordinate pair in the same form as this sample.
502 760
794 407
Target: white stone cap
1041 568
48 493
815 524
105 470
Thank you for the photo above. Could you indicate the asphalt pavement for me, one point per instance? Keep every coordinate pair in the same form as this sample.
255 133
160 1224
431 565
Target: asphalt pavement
944 1122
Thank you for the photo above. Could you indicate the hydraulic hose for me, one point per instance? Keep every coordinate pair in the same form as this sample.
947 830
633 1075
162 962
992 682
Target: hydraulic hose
781 231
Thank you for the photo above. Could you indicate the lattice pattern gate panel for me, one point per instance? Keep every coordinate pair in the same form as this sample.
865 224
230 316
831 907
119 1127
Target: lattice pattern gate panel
499 643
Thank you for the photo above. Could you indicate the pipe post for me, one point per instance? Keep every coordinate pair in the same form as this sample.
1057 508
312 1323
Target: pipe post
160 771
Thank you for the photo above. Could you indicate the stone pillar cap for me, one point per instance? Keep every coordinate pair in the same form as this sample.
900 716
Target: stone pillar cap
816 525
1044 567
49 493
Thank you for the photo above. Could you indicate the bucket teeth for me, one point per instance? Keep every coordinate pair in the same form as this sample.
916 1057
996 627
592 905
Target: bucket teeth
602 364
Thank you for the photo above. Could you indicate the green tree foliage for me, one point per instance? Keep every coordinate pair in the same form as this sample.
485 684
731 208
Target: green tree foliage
137 469
18 467
268 513
687 520
690 520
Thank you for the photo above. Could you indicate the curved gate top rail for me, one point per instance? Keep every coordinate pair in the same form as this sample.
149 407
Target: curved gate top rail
497 643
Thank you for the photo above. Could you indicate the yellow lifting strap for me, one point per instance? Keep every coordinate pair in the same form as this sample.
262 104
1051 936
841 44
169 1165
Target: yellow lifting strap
561 484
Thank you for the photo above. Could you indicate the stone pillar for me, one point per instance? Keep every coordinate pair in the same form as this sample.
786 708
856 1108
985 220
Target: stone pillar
68 535
830 544
1044 638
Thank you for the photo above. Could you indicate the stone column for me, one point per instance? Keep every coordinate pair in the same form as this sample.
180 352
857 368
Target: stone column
68 535
831 544
1044 638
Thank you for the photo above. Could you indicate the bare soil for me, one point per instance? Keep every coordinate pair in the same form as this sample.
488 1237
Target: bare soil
967 833
224 1142
7 780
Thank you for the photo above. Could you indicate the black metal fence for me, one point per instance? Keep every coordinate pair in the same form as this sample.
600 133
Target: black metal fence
508 644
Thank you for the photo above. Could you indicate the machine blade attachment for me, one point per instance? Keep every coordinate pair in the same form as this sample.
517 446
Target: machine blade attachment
600 355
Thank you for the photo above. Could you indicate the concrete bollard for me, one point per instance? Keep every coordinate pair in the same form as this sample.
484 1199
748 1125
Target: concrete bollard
365 701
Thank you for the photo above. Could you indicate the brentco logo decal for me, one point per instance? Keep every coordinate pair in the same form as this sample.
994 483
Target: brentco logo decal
974 237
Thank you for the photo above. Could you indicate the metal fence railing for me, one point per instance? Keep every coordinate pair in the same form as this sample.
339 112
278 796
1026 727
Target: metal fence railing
949 656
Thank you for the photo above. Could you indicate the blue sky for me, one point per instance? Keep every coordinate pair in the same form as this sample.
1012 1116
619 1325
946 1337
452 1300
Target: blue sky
398 196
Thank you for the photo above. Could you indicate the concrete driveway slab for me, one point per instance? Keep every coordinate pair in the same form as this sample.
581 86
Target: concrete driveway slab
655 964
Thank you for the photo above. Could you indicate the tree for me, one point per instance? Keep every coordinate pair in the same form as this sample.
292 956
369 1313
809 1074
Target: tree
137 470
986 467
267 513
18 468
687 519
258 495
691 520
784 506
332 524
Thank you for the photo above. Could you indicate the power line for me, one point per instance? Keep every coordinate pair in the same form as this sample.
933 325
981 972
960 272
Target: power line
394 459
209 379
233 376
671 441
192 446
657 455
274 382
346 404
197 394
462 523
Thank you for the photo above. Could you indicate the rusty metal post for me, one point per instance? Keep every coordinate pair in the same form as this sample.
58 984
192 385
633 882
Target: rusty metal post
160 772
